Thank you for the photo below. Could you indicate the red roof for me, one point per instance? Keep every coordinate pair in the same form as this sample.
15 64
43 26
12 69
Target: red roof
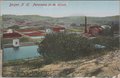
26 30
95 30
57 29
37 33
11 35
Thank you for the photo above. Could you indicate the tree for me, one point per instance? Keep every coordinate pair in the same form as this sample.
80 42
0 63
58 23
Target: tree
14 27
73 24
64 46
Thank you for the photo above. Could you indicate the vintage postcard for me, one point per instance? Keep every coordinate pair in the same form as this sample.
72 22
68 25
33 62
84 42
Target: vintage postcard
60 38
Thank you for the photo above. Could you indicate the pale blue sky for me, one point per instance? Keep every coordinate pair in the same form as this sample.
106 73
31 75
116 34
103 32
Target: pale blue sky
72 8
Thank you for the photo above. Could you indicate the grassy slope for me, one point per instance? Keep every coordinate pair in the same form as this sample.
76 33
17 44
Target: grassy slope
106 65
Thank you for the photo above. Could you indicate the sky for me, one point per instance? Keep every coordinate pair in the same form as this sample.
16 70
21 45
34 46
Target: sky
70 8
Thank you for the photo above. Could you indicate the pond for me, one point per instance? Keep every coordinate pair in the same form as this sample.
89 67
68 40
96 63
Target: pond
23 52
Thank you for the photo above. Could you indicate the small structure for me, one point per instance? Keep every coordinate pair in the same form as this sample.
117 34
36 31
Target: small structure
58 29
33 33
36 35
16 43
106 27
12 35
48 30
9 31
95 30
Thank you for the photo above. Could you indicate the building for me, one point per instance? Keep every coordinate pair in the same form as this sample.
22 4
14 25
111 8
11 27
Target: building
48 30
16 43
58 29
95 30
24 31
36 35
55 29
12 35
33 33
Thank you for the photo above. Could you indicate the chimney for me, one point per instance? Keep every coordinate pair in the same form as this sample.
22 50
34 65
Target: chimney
85 24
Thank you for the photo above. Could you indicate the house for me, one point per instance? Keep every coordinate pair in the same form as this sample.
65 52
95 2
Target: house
95 30
11 34
55 29
33 33
24 31
58 29
36 35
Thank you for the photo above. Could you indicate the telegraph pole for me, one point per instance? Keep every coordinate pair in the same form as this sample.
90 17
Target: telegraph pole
85 25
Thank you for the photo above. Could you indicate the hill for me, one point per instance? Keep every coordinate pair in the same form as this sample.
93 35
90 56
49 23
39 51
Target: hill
41 21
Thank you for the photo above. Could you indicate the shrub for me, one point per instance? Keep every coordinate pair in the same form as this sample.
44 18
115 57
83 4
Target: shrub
63 47
109 42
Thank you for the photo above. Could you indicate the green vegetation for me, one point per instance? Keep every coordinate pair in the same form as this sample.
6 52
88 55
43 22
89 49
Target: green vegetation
7 41
14 27
36 62
24 39
80 29
111 31
63 47
71 20
111 43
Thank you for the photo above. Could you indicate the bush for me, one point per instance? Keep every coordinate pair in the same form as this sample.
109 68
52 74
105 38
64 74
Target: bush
63 47
109 42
